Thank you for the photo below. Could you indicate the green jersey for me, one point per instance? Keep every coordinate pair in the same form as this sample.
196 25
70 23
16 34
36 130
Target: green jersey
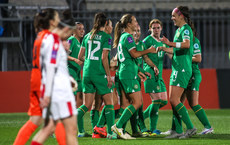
182 58
74 68
156 58
196 51
93 53
128 68
140 47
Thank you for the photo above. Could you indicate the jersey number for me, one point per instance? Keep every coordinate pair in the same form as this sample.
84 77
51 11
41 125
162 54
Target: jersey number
121 56
91 53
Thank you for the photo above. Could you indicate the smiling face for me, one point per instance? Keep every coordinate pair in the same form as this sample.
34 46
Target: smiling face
176 18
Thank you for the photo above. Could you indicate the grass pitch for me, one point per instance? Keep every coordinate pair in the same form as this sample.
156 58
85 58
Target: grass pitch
219 119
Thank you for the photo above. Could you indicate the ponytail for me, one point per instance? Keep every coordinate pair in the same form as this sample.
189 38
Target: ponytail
120 25
185 11
117 34
100 20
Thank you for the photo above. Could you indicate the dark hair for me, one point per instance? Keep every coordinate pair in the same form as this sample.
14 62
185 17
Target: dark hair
185 11
99 21
120 25
66 20
107 24
41 19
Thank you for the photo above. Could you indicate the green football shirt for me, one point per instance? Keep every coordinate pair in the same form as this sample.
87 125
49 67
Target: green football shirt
182 58
196 51
93 53
74 68
128 67
156 58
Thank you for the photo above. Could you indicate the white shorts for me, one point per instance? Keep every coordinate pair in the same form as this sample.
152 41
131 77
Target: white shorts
61 110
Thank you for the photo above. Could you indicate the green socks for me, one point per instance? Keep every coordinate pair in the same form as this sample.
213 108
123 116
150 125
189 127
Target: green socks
176 122
146 112
141 120
133 121
153 114
182 111
94 115
163 103
128 112
81 112
118 113
201 115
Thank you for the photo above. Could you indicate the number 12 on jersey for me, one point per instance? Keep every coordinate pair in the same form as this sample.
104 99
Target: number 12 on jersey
91 53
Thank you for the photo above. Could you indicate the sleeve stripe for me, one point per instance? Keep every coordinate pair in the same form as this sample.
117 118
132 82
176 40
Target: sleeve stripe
106 49
197 54
132 48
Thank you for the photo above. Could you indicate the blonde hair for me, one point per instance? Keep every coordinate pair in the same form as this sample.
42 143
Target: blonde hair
155 21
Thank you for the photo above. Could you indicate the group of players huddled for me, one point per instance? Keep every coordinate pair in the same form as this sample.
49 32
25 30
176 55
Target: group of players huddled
135 61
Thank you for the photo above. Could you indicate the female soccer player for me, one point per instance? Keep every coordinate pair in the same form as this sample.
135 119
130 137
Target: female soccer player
98 124
192 91
74 64
123 40
44 23
140 46
155 86
96 46
57 100
182 49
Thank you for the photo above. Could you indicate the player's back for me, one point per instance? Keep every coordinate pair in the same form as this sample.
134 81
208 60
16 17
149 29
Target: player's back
93 53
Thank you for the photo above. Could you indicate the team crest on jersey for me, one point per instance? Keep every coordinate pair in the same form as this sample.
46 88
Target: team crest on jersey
130 39
110 41
135 86
196 46
186 32
158 87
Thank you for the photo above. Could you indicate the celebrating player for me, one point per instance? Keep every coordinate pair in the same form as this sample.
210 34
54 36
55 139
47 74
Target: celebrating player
96 46
128 71
182 50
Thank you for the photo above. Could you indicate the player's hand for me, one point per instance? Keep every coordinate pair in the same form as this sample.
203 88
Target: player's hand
44 102
156 70
165 40
161 48
78 62
110 82
142 76
148 74
152 49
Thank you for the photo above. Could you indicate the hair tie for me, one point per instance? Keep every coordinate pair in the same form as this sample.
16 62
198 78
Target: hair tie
176 10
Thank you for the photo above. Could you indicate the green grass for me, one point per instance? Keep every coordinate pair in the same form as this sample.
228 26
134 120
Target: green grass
219 119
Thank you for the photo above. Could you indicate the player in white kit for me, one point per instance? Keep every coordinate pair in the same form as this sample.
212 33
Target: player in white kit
57 95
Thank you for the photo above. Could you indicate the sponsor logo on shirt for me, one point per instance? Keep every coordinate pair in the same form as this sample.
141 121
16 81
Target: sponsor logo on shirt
196 46
130 39
186 32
